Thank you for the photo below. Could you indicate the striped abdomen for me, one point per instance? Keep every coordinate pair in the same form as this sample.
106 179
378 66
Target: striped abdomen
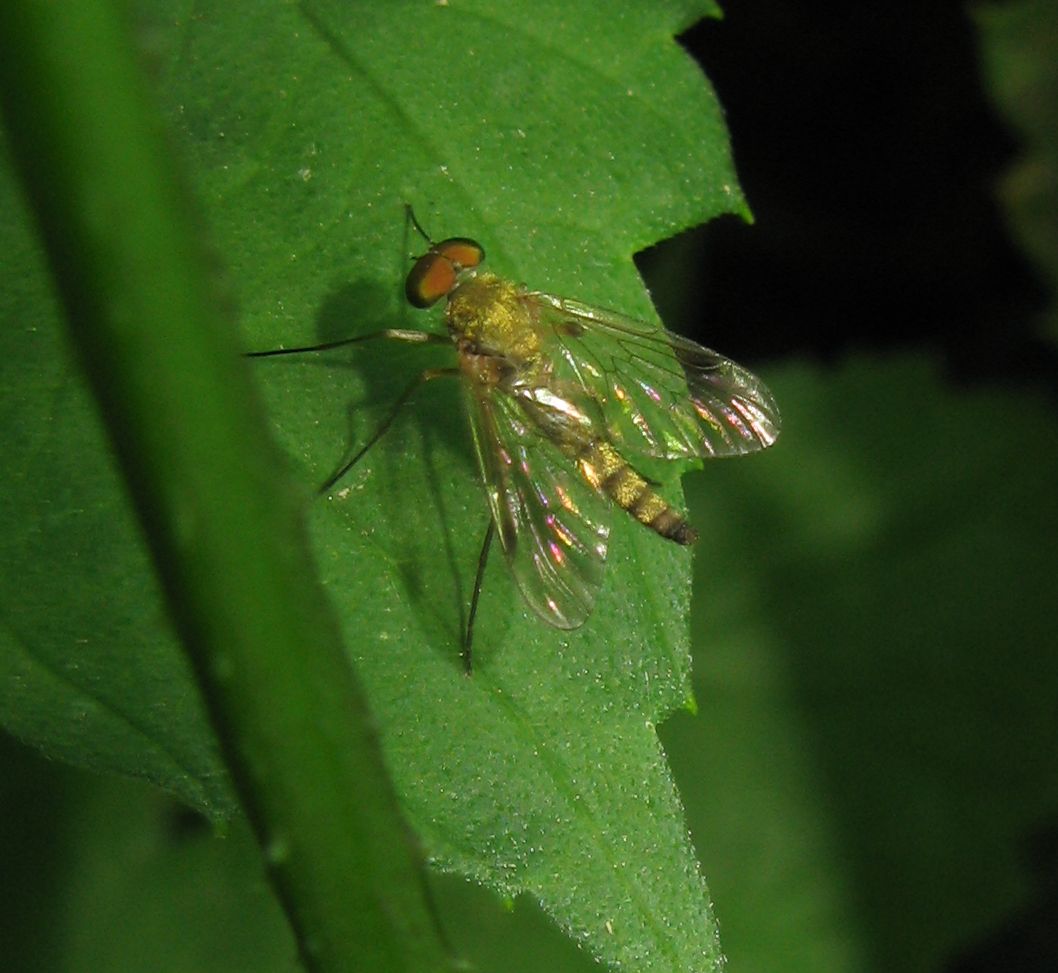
606 470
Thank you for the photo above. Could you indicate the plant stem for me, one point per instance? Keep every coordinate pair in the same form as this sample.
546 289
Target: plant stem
225 532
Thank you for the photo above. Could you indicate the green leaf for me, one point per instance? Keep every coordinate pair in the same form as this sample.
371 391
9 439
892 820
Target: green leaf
564 142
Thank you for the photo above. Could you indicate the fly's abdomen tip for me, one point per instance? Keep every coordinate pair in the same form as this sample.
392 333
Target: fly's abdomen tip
685 534
670 524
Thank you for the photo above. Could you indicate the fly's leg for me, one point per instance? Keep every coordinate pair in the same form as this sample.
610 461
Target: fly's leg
393 334
399 403
482 561
415 337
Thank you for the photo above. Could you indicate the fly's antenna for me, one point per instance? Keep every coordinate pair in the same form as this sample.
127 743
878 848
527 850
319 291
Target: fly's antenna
410 213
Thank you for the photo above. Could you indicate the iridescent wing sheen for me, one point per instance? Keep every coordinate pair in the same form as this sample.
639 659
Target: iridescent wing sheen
661 395
552 525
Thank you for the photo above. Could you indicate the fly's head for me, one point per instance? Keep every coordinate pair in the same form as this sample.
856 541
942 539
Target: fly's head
439 271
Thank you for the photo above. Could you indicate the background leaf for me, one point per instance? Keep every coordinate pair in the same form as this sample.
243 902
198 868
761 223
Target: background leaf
304 130
108 874
1018 44
879 685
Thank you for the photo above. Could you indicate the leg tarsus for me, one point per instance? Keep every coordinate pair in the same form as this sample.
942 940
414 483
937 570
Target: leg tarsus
483 558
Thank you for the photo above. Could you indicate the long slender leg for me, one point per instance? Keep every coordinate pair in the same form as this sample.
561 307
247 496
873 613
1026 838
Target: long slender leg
415 337
394 334
398 404
483 558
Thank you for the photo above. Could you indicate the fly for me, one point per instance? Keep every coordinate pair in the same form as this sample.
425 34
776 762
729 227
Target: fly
564 400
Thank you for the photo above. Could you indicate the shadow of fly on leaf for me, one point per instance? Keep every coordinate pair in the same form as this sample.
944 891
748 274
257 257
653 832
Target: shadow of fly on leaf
564 399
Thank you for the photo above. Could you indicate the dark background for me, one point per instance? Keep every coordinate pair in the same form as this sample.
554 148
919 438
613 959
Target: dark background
870 154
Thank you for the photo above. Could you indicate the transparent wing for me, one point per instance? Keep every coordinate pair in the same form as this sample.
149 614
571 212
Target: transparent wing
661 395
551 523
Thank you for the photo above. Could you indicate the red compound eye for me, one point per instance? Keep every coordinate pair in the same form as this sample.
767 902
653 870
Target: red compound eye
437 271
